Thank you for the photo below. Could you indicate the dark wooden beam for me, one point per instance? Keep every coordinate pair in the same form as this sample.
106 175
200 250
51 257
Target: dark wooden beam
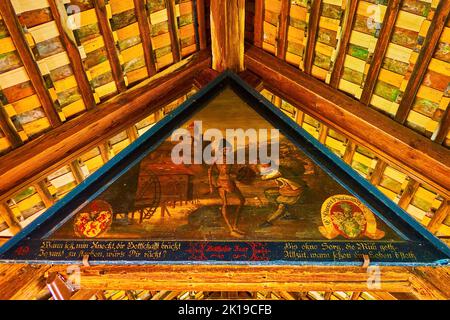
144 29
201 24
110 45
204 77
41 156
344 43
282 41
8 129
426 54
313 28
439 216
18 38
252 79
424 160
75 59
258 30
173 30
384 39
227 34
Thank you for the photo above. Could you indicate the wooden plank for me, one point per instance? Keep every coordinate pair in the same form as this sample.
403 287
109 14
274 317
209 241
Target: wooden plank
283 29
76 171
173 30
408 194
377 174
344 43
39 157
145 34
431 283
204 77
22 282
8 129
424 160
17 36
313 28
384 39
439 216
74 56
43 192
201 24
111 50
238 278
10 219
252 80
258 31
227 34
104 151
350 150
426 53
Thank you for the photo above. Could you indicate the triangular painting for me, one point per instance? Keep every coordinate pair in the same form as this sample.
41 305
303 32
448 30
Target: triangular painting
226 178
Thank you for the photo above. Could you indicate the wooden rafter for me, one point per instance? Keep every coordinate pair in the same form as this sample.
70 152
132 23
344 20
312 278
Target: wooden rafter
258 23
111 49
377 174
426 54
75 59
344 43
313 28
8 129
408 194
350 150
10 219
441 213
201 23
227 34
444 127
173 30
426 161
39 157
252 79
145 34
30 65
44 193
282 40
384 39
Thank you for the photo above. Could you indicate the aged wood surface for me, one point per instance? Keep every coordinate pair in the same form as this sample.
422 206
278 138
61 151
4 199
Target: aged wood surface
173 30
144 29
201 20
426 53
39 157
258 23
17 36
227 34
8 129
380 50
283 29
313 27
425 160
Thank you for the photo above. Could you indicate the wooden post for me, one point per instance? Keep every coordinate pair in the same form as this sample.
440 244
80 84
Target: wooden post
442 132
283 29
258 31
74 56
227 34
323 133
349 152
313 27
377 174
45 195
173 30
408 194
144 28
132 133
439 216
76 171
201 21
10 219
15 30
8 129
111 50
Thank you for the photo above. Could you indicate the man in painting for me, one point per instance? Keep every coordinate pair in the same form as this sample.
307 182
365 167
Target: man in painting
286 194
226 185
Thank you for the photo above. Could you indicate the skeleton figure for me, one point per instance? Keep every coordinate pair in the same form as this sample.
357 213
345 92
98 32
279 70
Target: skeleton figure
226 185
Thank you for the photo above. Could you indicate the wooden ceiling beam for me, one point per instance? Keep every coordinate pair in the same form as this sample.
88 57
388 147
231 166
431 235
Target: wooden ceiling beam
145 34
173 30
8 129
344 43
258 29
313 28
15 30
426 54
252 79
74 56
227 35
426 161
282 39
377 58
22 282
444 127
201 23
39 157
110 45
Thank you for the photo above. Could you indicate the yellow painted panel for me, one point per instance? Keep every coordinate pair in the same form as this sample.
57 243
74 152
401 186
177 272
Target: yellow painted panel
106 89
158 17
439 66
65 84
399 53
376 12
409 21
426 195
36 126
430 94
383 104
298 12
87 17
11 78
293 58
395 174
390 77
26 104
100 69
424 28
120 146
165 60
132 53
21 6
10 111
324 49
6 45
272 5
295 35
94 163
161 41
328 23
53 62
350 87
44 32
319 72
445 37
4 143
361 39
354 63
129 31
185 8
138 74
187 31
391 195
93 44
74 108
118 6
268 47
29 202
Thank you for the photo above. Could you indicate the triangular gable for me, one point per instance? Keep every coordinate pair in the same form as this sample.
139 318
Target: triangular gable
146 206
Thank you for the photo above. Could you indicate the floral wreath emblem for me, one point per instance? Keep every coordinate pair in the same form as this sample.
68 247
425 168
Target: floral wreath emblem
346 216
